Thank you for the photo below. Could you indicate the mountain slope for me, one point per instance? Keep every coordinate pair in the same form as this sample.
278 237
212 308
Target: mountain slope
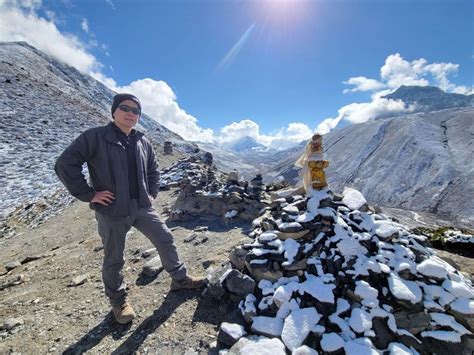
430 98
245 144
45 105
421 162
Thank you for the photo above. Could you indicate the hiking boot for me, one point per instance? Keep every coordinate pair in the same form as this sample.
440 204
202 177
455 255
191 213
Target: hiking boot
189 282
124 313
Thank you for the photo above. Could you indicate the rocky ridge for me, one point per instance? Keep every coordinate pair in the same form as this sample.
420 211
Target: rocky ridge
430 98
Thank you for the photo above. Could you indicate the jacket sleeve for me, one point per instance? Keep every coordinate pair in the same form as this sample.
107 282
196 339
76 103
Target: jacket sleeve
153 172
68 167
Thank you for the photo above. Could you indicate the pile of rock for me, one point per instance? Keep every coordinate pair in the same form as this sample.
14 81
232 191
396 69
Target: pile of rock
449 238
204 191
257 187
167 148
333 276
186 171
457 237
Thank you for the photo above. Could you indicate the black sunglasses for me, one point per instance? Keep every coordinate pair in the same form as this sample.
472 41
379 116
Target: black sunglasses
126 108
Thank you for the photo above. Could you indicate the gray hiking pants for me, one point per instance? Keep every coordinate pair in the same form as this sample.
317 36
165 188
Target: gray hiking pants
113 232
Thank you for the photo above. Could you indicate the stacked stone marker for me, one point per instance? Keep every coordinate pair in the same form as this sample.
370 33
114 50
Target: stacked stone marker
167 148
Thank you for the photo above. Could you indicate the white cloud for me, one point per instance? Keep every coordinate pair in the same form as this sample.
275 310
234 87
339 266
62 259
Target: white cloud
237 130
52 16
282 138
363 112
85 25
111 3
21 25
30 5
159 102
395 72
362 83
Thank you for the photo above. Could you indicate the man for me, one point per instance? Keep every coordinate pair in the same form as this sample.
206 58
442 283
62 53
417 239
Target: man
124 177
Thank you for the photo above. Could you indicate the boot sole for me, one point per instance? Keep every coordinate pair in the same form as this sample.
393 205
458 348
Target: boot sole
125 320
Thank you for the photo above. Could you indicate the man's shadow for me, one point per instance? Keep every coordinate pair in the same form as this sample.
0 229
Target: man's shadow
159 316
99 332
109 326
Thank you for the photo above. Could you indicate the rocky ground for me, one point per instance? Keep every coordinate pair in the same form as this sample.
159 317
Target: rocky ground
56 317
45 312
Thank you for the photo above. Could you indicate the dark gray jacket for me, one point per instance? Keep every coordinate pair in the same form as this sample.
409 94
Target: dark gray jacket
106 160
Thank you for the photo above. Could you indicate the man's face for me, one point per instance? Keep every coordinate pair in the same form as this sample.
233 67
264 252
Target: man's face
127 119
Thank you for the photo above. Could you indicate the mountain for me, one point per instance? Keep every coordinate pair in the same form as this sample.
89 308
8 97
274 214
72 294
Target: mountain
45 105
247 162
245 144
420 162
430 98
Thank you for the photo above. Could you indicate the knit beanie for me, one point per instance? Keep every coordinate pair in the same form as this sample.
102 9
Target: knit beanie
122 97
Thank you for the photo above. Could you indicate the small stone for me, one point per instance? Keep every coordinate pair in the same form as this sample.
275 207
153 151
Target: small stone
214 285
230 333
258 345
292 210
413 322
239 284
30 258
383 335
201 239
78 280
98 248
207 263
290 227
260 273
152 266
201 229
297 265
190 238
292 235
148 252
11 323
237 257
12 265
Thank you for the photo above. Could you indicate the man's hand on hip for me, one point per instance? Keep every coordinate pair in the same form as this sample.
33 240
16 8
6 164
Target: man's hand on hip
103 197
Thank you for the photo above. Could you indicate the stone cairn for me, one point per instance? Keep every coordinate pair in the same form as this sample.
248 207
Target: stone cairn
206 192
257 187
327 274
167 148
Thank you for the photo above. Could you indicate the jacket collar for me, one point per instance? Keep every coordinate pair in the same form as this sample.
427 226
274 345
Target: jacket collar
112 138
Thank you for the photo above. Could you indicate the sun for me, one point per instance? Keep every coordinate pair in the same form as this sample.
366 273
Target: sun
283 11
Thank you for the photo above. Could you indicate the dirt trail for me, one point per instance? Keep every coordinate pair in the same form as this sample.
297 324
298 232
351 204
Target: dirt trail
59 318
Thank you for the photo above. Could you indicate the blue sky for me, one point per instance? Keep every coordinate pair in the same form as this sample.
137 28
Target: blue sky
289 72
